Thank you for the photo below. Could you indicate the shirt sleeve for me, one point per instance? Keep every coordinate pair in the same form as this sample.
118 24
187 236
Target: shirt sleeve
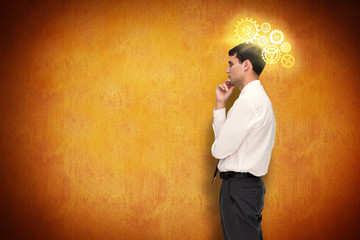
230 132
219 119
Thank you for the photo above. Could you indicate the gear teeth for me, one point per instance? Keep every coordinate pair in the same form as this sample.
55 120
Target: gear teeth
246 30
280 36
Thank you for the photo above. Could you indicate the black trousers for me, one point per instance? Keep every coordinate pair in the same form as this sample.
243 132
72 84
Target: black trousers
241 202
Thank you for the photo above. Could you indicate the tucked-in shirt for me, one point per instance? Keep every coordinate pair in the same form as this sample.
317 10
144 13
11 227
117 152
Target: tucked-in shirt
244 139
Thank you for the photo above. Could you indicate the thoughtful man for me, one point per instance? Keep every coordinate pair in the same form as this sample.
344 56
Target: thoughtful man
244 140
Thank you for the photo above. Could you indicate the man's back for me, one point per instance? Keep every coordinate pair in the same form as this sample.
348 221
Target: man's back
260 141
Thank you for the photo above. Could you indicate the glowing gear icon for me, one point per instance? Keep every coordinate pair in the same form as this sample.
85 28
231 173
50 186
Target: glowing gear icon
272 42
263 41
246 30
285 47
287 60
271 54
276 36
265 27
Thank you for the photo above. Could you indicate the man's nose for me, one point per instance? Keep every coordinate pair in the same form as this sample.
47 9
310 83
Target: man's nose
227 70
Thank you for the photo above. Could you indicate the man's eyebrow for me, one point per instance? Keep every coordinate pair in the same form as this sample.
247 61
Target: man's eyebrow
230 62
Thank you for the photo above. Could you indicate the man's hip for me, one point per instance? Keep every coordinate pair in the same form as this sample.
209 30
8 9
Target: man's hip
227 175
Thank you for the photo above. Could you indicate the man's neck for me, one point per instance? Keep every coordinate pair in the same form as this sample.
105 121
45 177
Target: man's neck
247 81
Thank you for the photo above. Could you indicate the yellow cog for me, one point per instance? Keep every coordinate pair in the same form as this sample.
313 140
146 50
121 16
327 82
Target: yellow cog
265 27
263 40
271 54
285 47
276 36
246 30
288 60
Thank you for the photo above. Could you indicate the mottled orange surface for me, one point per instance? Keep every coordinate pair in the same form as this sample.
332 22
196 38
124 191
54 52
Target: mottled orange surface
106 111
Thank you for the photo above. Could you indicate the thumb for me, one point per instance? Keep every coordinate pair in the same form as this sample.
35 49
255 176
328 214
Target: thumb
232 87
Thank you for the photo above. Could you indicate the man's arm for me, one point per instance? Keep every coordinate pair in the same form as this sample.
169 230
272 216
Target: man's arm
230 132
219 119
220 105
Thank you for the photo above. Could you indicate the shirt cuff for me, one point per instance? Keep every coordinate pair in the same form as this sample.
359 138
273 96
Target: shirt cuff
219 114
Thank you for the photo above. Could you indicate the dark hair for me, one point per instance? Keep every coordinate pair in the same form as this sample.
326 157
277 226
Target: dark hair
250 51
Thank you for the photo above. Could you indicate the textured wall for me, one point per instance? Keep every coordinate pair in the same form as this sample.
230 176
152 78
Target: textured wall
106 111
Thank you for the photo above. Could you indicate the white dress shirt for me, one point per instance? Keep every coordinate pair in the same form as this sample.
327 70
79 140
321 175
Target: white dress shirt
245 138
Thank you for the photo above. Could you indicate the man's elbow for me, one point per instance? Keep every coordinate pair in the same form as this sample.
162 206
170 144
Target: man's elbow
216 154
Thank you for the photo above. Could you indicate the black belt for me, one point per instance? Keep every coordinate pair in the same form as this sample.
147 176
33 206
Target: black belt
227 175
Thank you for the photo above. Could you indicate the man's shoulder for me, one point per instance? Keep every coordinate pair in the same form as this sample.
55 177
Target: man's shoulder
255 97
259 102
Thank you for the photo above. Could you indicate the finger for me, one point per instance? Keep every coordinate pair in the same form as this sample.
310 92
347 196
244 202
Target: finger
225 86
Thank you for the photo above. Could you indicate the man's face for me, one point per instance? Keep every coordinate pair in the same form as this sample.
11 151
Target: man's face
235 71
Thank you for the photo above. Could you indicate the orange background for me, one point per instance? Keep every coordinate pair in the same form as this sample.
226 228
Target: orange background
106 112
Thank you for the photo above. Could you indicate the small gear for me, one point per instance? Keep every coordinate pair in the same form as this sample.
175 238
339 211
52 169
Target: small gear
271 54
288 60
263 41
265 27
246 30
276 36
285 47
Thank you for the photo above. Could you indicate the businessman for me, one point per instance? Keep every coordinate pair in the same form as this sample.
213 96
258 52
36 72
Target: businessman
244 140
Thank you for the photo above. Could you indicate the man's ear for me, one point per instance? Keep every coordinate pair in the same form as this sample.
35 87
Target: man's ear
247 64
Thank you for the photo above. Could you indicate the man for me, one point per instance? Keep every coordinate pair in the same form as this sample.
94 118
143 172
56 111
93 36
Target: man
244 140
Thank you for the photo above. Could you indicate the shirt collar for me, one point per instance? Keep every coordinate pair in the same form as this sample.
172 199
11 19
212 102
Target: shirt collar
253 82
